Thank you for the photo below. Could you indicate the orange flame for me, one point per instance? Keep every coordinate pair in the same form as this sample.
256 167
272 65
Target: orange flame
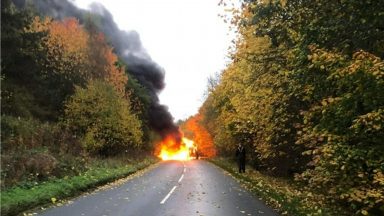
170 150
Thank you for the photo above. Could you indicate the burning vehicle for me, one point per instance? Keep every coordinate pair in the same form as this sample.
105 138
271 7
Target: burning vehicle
173 148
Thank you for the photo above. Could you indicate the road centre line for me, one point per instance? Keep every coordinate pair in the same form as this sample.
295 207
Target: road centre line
174 187
181 178
169 194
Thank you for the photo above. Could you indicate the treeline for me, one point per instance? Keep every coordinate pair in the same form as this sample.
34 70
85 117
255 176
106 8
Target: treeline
66 96
305 93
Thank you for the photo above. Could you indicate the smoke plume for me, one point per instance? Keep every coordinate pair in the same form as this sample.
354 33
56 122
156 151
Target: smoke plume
127 45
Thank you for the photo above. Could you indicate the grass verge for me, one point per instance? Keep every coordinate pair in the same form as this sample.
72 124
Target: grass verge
18 199
282 194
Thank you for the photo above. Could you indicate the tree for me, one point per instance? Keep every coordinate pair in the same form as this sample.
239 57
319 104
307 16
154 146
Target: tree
102 62
305 92
103 118
193 129
342 132
20 77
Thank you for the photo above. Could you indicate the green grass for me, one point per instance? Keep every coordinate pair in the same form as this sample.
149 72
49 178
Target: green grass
18 199
283 195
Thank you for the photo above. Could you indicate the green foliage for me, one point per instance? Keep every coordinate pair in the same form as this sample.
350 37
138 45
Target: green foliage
305 94
65 100
19 198
138 95
346 25
100 115
20 88
34 151
343 131
46 59
19 134
250 105
49 126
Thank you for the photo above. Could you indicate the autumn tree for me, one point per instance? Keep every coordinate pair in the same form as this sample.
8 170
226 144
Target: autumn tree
63 90
305 92
193 129
336 71
104 119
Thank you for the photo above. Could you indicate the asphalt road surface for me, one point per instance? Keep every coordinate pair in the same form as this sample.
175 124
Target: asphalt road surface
177 188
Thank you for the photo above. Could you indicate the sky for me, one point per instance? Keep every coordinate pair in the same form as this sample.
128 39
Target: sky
185 37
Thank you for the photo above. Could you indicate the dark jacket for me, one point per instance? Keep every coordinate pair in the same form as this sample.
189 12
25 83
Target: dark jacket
240 153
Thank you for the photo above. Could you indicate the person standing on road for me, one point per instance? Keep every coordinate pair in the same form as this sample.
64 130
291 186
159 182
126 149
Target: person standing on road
240 154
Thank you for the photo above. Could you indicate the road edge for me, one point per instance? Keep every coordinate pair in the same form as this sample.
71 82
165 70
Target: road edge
289 202
64 199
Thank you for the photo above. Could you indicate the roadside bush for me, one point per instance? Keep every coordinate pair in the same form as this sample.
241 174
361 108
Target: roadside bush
24 143
31 194
32 166
34 151
21 133
103 119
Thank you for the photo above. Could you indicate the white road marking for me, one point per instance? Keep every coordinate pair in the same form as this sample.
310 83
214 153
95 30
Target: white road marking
181 178
174 187
169 194
185 167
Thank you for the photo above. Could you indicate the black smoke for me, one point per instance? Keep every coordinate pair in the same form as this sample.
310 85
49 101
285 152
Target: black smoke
127 45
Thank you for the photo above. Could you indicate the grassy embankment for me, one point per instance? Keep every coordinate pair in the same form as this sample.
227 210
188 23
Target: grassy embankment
22 197
282 194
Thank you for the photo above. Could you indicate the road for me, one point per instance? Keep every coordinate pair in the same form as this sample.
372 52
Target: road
188 188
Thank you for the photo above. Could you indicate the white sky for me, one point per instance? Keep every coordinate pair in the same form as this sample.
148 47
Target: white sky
185 37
